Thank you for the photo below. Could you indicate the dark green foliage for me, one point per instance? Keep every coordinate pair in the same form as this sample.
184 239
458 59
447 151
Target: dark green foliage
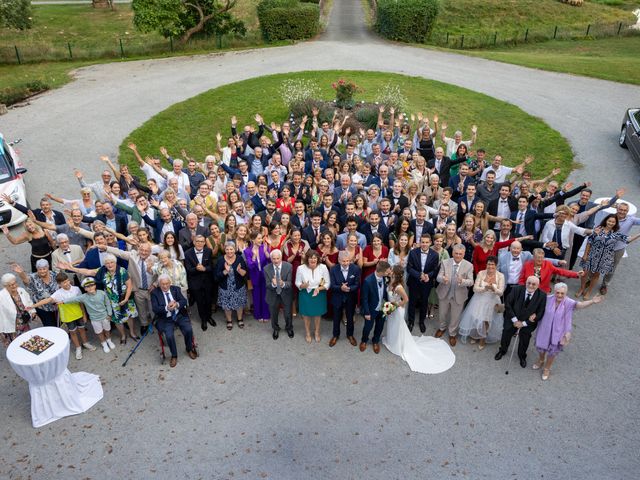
288 19
368 117
16 14
406 20
11 95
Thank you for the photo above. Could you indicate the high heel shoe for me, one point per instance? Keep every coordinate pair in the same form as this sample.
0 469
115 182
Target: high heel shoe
317 338
308 338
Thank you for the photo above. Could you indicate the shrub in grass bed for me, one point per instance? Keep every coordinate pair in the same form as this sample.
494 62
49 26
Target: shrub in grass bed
406 20
288 20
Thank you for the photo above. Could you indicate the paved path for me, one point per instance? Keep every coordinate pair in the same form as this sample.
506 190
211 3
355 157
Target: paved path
254 408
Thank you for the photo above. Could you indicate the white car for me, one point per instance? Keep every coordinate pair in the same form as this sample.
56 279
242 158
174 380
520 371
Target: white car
12 184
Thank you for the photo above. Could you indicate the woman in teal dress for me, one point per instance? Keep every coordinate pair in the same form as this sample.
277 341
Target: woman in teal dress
312 280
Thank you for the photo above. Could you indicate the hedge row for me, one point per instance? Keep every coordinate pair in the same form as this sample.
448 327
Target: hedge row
406 20
288 19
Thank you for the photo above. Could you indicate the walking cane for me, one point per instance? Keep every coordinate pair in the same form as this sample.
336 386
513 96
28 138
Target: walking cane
149 329
515 347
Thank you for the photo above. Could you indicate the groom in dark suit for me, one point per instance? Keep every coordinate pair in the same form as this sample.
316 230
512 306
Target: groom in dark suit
345 283
523 309
374 294
422 266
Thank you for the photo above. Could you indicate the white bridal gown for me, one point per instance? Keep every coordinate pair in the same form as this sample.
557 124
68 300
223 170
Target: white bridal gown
423 354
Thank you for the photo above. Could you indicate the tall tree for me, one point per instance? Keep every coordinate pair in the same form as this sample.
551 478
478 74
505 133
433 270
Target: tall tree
183 19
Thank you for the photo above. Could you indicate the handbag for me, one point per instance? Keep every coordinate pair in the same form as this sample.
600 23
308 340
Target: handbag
498 308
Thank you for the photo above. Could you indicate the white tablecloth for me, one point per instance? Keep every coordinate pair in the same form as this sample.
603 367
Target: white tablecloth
55 392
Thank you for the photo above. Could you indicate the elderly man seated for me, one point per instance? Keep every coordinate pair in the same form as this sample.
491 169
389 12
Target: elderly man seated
170 309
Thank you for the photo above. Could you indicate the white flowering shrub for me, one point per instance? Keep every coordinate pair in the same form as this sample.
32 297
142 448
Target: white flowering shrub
298 91
390 95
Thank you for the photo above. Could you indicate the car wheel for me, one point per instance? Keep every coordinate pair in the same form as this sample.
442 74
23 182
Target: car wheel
622 140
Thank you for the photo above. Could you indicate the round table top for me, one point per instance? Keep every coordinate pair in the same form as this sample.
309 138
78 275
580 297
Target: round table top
632 208
19 356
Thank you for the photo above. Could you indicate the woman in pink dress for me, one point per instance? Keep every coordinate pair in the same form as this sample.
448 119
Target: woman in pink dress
554 329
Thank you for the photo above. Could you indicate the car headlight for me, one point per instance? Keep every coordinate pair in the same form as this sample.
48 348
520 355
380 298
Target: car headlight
15 194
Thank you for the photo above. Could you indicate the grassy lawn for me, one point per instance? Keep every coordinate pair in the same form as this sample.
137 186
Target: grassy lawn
616 59
95 33
511 17
503 128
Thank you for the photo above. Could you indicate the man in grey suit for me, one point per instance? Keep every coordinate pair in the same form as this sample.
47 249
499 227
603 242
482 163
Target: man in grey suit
279 292
455 277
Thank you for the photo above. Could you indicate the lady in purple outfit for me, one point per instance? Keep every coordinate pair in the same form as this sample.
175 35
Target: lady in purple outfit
554 329
257 256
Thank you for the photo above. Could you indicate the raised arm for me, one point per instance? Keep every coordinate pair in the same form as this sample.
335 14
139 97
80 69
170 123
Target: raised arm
113 168
54 198
134 149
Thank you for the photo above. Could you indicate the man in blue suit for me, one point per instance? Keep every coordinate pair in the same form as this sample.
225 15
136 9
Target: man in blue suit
345 282
374 294
163 223
422 267
170 310
524 219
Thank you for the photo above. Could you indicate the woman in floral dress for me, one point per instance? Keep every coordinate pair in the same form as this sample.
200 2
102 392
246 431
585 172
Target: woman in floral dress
598 258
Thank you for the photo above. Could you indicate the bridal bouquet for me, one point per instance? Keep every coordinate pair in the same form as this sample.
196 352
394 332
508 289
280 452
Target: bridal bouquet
388 308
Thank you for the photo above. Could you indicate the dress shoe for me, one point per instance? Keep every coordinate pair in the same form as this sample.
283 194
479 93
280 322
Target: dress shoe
192 354
275 334
453 341
439 333
290 333
363 346
352 341
376 348
499 355
423 327
173 362
523 362
203 325
212 322
143 329
410 325
333 341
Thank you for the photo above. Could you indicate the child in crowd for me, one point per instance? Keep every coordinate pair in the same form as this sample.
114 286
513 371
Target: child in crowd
99 309
72 315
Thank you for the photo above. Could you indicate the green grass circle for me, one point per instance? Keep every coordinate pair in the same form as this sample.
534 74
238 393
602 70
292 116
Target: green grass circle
502 128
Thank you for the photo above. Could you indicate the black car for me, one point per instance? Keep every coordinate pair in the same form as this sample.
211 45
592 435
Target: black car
630 133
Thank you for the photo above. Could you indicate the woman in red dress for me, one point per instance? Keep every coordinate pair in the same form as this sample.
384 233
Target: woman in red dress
275 239
327 250
372 254
285 203
489 248
293 252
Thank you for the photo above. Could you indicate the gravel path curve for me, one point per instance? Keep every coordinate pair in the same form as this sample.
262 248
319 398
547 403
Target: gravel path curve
254 408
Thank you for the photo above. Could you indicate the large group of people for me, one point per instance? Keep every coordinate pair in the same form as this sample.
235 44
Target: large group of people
313 220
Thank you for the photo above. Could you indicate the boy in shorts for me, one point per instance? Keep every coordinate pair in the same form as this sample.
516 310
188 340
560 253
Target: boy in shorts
72 314
99 309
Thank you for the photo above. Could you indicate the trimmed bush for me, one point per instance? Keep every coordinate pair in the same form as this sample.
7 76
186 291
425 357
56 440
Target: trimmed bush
406 20
288 19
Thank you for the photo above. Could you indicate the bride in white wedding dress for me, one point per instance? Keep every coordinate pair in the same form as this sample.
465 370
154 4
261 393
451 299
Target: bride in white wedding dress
423 354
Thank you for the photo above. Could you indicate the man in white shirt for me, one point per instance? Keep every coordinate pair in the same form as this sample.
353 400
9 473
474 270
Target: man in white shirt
501 171
452 144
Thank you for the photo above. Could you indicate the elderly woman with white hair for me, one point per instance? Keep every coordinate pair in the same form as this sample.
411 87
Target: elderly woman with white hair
41 284
172 268
14 305
118 287
554 329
